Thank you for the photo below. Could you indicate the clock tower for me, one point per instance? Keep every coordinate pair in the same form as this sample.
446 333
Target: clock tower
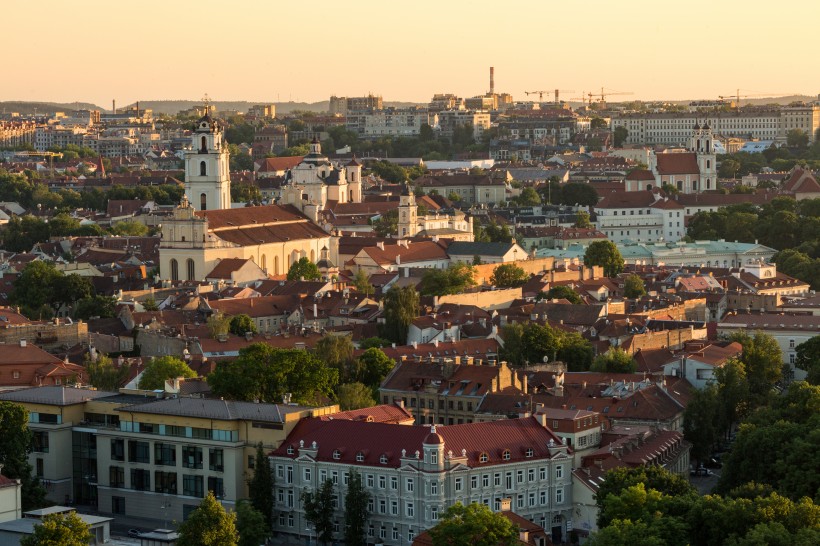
207 175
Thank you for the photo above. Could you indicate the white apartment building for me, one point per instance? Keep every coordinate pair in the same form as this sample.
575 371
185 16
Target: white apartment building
448 120
388 122
414 473
640 216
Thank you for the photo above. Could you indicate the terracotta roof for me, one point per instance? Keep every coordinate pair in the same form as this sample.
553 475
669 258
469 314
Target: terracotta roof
801 181
275 164
415 252
465 379
248 216
626 200
347 439
383 413
263 306
477 348
225 267
641 174
678 163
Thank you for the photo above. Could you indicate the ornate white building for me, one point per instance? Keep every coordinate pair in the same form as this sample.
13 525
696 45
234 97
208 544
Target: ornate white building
454 225
207 174
317 180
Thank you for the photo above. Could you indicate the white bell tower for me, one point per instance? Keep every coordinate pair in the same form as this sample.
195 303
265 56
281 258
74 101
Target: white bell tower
207 175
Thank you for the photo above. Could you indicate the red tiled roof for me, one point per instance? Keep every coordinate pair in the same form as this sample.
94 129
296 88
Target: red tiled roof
225 267
678 163
383 413
626 200
275 164
641 174
372 440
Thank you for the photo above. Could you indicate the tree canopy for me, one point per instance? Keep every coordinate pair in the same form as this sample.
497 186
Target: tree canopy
401 306
563 292
529 343
41 290
104 375
209 525
241 324
457 278
250 524
634 287
260 486
473 525
59 530
14 451
509 276
606 255
808 358
265 373
303 268
318 507
160 369
615 360
355 396
337 352
356 512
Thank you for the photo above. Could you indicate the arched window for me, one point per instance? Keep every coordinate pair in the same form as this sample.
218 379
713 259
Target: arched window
174 270
203 170
203 202
313 256
708 163
680 185
264 262
191 269
708 184
276 265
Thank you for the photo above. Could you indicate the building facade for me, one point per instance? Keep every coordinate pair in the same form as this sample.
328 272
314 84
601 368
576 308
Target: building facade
207 174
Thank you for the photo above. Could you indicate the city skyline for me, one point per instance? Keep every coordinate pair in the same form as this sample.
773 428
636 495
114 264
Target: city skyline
404 56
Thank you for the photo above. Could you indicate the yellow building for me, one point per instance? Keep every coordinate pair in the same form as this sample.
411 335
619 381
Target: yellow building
141 456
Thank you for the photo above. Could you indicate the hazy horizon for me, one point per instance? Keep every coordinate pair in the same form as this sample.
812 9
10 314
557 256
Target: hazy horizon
267 52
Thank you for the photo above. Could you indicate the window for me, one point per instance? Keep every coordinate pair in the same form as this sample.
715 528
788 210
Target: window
118 505
383 459
497 479
216 485
174 269
360 457
165 454
370 481
382 506
409 510
434 487
39 441
140 479
322 476
394 483
485 480
346 478
483 458
506 455
434 457
334 477
192 486
191 269
519 476
116 476
216 460
382 532
395 534
559 496
531 475
791 344
531 499
138 452
117 450
408 485
394 508
459 484
529 452
337 454
382 482
559 472
203 169
519 501
165 482
306 474
192 457
543 498
474 482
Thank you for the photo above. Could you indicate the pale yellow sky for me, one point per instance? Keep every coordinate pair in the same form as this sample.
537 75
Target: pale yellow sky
277 50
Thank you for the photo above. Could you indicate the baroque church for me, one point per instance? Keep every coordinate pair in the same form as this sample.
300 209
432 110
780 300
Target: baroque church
204 230
692 171
454 225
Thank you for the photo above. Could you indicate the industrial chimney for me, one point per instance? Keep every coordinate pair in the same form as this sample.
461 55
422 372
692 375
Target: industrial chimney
492 80
114 106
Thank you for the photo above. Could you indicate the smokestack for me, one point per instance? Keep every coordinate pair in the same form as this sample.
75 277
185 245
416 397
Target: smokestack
556 96
492 80
138 108
114 105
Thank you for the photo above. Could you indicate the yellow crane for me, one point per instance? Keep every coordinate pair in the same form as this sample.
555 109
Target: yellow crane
737 96
49 155
607 93
541 93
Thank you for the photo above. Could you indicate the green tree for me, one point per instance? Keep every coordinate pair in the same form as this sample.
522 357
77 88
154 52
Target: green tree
456 279
582 219
576 352
615 360
318 507
621 532
509 276
362 283
104 375
374 342
355 396
634 287
218 324
240 324
95 306
529 197
598 123
150 304
701 425
336 352
728 168
387 224
260 486
401 306
356 512
69 289
620 135
34 288
808 358
59 530
133 229
160 369
576 194
560 292
530 343
250 524
303 268
606 255
473 525
652 477
372 367
266 373
14 451
389 171
796 138
209 525
763 362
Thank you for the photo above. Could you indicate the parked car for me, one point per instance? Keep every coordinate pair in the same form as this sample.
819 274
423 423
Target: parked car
700 471
713 462
134 533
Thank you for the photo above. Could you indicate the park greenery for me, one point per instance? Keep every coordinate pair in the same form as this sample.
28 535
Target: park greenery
457 278
473 525
162 368
530 343
59 530
209 525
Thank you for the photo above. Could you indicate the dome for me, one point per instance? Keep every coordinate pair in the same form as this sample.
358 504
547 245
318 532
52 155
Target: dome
434 438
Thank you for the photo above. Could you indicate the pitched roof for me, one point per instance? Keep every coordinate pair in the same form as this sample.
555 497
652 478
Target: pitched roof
275 164
414 252
372 440
630 199
641 174
383 413
678 163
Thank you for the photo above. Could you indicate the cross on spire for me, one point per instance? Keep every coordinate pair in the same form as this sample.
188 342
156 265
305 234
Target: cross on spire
206 100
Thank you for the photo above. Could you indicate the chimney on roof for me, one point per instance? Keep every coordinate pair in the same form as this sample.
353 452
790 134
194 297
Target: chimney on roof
380 245
22 343
506 505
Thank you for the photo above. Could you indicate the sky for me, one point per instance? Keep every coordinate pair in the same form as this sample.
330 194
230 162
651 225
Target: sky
283 50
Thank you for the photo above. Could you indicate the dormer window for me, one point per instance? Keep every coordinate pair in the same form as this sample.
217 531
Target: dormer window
483 458
290 450
337 454
360 457
506 455
383 459
529 452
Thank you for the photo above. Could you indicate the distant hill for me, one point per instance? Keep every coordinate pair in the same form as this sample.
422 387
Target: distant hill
172 107
24 107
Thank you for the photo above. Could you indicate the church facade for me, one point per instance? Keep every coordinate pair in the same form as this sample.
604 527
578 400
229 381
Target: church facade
453 225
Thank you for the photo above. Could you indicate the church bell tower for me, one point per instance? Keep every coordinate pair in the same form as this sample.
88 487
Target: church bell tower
207 175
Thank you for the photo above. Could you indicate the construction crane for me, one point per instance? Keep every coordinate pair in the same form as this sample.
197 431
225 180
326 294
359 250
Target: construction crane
49 155
737 96
543 91
605 93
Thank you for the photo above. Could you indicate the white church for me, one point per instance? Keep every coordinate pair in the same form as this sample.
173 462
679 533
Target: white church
205 230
